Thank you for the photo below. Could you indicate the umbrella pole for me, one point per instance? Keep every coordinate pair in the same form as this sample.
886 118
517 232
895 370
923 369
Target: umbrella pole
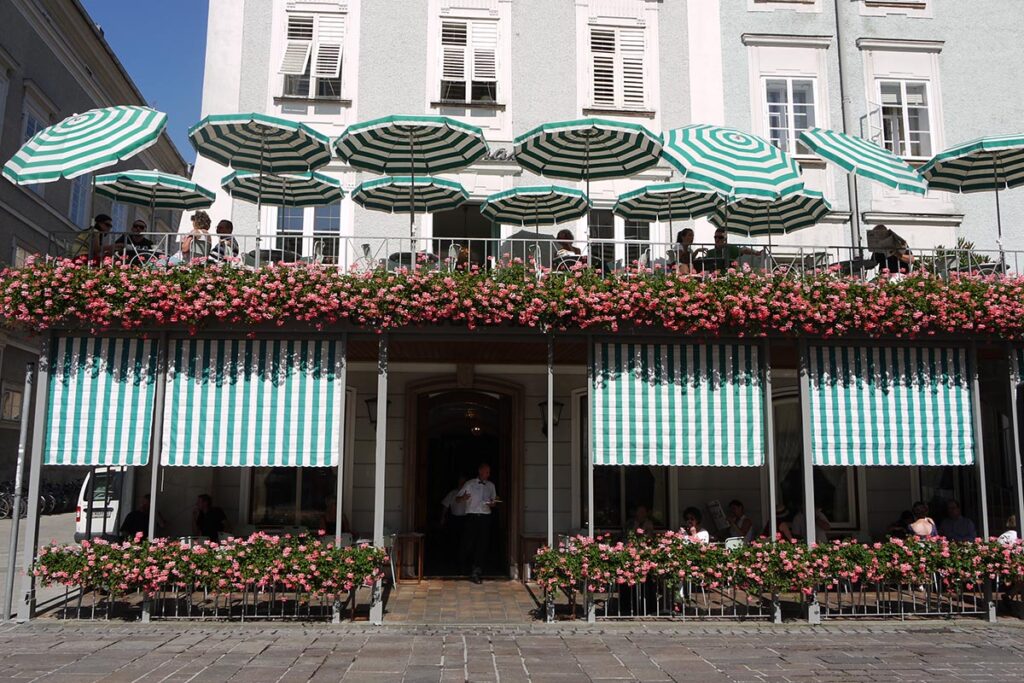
586 170
999 215
412 189
259 195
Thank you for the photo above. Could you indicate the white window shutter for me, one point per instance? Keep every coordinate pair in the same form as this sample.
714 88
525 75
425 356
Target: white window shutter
453 51
485 50
330 37
298 45
602 53
631 52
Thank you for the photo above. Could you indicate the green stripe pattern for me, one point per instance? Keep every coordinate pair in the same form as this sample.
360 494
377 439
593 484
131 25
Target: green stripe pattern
153 188
84 143
753 217
291 189
589 148
100 409
857 155
405 194
982 165
736 164
890 406
399 145
677 404
536 205
261 143
668 202
253 403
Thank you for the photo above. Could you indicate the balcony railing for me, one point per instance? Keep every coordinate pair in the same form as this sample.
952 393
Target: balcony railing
364 254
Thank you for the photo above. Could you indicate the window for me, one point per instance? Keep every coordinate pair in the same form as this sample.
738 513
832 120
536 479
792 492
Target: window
289 222
602 227
906 124
119 216
327 228
293 496
617 68
5 87
34 121
789 106
312 56
81 196
10 403
619 490
639 231
469 62
22 256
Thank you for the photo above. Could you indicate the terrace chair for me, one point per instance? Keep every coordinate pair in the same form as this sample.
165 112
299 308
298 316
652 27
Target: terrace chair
734 543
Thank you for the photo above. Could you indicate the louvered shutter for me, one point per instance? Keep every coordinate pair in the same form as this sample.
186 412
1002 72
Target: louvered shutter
631 52
330 36
453 48
602 52
298 45
485 51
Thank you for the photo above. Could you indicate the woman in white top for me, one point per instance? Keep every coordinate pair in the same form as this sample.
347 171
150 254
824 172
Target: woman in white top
692 526
739 524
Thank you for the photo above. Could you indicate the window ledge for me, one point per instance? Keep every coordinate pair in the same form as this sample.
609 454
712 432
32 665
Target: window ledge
292 99
636 113
494 106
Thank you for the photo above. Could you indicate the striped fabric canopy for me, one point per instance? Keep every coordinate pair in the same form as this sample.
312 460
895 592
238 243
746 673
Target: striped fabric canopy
401 194
100 409
291 189
753 217
857 155
585 149
536 205
261 143
253 403
981 165
890 406
675 404
155 189
84 143
411 144
668 202
737 164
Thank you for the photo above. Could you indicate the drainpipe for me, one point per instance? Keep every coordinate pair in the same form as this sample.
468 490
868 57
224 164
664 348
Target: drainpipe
848 128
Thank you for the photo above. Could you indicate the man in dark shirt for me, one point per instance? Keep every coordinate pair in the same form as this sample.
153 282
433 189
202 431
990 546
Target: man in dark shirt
137 521
724 255
207 520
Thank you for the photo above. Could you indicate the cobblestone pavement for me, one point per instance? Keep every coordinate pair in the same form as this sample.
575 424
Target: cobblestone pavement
255 653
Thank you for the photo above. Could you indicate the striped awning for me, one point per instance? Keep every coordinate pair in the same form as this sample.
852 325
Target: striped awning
101 401
890 406
257 402
676 404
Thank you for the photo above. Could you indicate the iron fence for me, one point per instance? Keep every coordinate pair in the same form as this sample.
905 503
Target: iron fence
877 600
661 598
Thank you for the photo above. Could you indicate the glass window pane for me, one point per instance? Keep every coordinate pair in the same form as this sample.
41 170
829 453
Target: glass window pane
640 231
647 486
328 88
776 91
273 496
318 498
602 227
289 222
917 95
327 222
454 91
803 92
485 91
891 93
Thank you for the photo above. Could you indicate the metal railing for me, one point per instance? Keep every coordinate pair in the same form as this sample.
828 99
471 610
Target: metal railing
364 254
661 598
877 600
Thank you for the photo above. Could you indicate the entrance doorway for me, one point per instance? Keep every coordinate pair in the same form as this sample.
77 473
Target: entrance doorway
458 430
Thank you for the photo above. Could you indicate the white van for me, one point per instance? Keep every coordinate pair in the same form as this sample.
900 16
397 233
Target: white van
99 510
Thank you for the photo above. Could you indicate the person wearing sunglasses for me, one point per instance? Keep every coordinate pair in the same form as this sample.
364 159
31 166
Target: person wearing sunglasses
723 255
135 239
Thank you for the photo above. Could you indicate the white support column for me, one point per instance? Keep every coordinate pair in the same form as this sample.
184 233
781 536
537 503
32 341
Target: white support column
27 602
813 609
979 460
1012 387
380 452
156 446
769 436
588 603
341 373
12 549
551 439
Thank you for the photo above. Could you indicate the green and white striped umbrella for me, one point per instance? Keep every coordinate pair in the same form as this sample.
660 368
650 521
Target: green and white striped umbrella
857 155
588 149
668 202
292 189
84 143
986 164
983 165
754 217
401 194
736 164
154 189
536 205
411 145
261 143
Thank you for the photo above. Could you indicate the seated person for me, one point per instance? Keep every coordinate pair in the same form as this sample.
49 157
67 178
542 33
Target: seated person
739 524
894 255
227 246
724 255
692 526
641 521
1009 537
681 253
901 527
783 524
821 525
956 527
923 526
566 253
134 241
92 244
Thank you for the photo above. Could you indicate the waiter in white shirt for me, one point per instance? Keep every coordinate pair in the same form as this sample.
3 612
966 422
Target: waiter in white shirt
480 497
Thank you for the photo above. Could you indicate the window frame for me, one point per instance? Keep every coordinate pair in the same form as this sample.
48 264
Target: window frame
30 110
469 62
311 60
905 115
794 145
18 392
81 221
619 87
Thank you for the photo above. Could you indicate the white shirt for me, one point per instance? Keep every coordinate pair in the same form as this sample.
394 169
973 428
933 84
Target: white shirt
456 507
480 493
